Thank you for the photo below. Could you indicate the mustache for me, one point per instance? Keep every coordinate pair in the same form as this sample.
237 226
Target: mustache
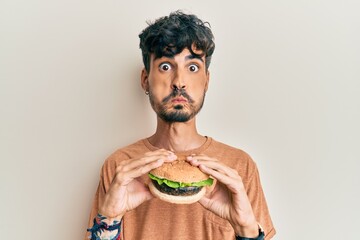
177 93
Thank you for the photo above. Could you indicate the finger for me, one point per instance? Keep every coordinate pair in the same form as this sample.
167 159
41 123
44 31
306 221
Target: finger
214 164
148 196
131 164
195 160
159 151
141 192
137 172
205 201
162 152
233 184
201 157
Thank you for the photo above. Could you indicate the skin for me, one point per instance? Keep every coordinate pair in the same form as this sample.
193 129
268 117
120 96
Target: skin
229 199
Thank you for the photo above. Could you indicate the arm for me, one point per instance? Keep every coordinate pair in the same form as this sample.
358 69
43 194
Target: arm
124 193
229 198
105 229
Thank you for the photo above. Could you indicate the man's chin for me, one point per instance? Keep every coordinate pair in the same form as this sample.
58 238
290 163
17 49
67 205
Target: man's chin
175 117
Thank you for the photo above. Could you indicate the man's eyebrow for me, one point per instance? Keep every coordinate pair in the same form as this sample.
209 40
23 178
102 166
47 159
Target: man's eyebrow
191 56
188 57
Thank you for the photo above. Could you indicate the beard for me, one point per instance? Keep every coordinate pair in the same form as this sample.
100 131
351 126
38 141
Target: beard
178 112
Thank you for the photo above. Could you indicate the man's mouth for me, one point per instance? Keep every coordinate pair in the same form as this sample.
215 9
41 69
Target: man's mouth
179 100
178 96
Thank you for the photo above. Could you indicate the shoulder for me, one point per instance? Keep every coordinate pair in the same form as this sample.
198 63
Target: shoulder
223 147
129 151
230 152
124 153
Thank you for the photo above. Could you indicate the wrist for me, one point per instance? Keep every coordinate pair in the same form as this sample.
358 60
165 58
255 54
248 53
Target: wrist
108 217
259 236
109 212
105 228
109 207
248 231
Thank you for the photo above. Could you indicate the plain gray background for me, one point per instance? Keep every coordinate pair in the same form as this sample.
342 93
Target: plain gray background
284 87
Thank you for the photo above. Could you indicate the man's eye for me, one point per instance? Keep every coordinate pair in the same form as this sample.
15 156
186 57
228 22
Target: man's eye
165 67
193 68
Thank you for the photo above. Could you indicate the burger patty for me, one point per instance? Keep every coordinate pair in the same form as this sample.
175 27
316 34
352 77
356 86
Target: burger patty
181 191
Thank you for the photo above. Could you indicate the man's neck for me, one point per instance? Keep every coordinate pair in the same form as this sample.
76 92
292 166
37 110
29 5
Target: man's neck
177 136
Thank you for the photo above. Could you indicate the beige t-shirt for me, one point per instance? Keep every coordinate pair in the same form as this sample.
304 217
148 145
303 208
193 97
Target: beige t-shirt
160 220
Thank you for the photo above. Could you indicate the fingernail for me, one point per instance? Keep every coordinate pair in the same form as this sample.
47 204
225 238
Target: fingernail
172 156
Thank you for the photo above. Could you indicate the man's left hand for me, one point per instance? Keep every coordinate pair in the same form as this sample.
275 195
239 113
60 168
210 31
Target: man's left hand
228 199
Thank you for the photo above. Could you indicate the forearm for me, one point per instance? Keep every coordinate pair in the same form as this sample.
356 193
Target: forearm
105 228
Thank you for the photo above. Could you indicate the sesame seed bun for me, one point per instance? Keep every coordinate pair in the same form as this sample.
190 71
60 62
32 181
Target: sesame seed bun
180 171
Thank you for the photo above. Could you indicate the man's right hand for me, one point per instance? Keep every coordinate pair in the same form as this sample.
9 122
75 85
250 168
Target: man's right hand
126 192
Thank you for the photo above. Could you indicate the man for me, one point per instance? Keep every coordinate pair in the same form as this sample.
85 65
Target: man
177 51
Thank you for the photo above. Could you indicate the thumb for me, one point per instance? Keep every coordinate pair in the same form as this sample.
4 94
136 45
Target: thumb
147 195
205 202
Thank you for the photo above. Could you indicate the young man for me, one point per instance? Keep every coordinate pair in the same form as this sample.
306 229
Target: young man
177 51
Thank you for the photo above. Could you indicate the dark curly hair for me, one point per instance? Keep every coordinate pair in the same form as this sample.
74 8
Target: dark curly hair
169 35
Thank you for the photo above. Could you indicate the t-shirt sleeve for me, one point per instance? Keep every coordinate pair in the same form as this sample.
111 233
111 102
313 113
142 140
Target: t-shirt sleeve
106 175
258 202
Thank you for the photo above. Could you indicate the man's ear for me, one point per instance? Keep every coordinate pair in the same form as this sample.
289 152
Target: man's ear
207 80
144 80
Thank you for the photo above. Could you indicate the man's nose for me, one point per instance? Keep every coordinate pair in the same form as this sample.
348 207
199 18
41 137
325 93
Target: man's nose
178 81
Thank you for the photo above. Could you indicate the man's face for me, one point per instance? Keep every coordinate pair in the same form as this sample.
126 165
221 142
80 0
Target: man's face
176 86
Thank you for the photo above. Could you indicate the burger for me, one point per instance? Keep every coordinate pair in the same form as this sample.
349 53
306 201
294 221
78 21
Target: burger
179 182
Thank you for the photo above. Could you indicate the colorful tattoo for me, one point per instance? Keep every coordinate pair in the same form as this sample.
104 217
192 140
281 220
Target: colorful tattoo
103 229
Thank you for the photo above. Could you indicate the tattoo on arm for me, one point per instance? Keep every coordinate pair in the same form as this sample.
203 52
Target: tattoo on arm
105 229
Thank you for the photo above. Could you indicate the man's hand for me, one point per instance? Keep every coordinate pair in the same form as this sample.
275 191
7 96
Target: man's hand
126 192
228 199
